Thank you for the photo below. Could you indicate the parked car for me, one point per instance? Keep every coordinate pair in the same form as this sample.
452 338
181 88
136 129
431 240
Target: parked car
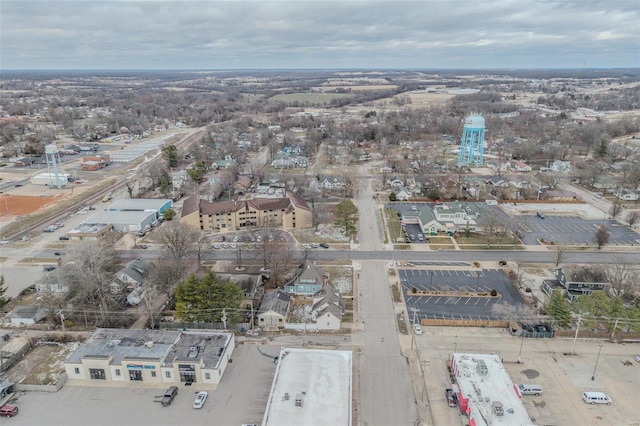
8 410
63 238
324 245
540 215
169 396
596 398
452 398
58 253
414 208
420 237
49 268
417 329
201 397
143 246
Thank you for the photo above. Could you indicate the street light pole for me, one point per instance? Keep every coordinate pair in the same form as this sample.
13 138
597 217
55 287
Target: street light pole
521 345
593 377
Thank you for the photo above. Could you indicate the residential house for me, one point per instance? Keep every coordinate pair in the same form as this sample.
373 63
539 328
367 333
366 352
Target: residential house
179 179
496 181
627 195
289 212
401 193
131 276
250 284
308 280
242 185
560 166
519 181
50 283
327 182
227 162
327 308
273 309
571 289
520 166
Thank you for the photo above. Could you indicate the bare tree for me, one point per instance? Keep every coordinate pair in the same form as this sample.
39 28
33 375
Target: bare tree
560 252
279 260
88 274
616 208
164 276
601 236
624 279
633 217
178 239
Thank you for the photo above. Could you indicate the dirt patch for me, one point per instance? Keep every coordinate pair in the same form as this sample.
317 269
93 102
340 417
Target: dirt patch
43 365
17 205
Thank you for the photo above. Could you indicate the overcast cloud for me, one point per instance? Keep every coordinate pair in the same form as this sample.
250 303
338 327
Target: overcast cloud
190 34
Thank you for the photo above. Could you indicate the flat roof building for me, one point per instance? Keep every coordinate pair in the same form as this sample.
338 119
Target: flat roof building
485 391
312 388
124 356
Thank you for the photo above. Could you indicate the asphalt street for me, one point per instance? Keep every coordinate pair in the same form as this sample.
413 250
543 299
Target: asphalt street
386 395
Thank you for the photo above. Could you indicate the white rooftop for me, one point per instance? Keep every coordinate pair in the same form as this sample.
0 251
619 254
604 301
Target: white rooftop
483 380
321 378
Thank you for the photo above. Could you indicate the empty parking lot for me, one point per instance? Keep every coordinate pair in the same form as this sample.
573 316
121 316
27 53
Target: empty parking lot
457 280
571 230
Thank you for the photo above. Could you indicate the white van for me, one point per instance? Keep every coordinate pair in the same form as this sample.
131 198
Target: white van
530 389
596 398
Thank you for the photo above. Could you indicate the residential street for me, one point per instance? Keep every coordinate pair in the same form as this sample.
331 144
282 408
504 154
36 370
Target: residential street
384 386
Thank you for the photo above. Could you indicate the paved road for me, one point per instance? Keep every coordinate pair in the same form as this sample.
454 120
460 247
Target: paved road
385 386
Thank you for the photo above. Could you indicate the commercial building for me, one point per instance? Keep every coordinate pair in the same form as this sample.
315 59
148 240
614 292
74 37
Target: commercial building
50 179
312 388
289 212
129 215
121 357
485 391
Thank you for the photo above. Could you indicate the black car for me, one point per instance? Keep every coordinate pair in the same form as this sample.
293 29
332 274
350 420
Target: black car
63 238
49 268
324 245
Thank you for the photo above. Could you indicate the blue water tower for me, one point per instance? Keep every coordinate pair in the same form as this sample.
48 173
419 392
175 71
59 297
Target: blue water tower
472 142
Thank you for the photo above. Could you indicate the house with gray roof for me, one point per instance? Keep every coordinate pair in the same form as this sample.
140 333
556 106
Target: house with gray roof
273 309
131 276
308 280
27 315
327 308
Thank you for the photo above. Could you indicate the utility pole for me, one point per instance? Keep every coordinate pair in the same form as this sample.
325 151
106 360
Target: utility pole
61 320
521 345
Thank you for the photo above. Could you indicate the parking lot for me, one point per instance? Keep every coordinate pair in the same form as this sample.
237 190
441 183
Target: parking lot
546 362
571 230
457 280
240 398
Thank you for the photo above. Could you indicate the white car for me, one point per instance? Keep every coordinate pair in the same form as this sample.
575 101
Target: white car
417 329
201 397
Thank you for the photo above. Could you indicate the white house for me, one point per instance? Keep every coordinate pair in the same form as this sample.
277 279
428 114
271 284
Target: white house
401 193
327 308
627 195
273 309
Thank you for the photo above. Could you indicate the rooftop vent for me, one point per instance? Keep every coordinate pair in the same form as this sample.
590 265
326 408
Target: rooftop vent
193 352
299 400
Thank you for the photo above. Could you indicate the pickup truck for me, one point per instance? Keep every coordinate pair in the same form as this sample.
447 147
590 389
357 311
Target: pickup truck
168 396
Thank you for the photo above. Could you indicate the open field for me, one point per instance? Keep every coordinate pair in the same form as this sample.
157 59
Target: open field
315 98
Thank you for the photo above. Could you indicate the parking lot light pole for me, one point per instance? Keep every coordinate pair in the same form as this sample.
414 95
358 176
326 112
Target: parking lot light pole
593 377
521 345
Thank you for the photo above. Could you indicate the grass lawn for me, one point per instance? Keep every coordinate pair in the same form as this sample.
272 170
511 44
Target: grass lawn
395 225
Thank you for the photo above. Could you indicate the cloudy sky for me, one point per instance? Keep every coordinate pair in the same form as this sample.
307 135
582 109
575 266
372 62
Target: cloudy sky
238 34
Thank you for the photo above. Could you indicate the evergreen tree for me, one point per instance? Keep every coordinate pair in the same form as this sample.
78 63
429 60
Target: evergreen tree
559 308
202 299
347 217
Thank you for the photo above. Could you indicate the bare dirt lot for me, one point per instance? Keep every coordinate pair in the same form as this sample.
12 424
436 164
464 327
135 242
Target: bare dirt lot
17 205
